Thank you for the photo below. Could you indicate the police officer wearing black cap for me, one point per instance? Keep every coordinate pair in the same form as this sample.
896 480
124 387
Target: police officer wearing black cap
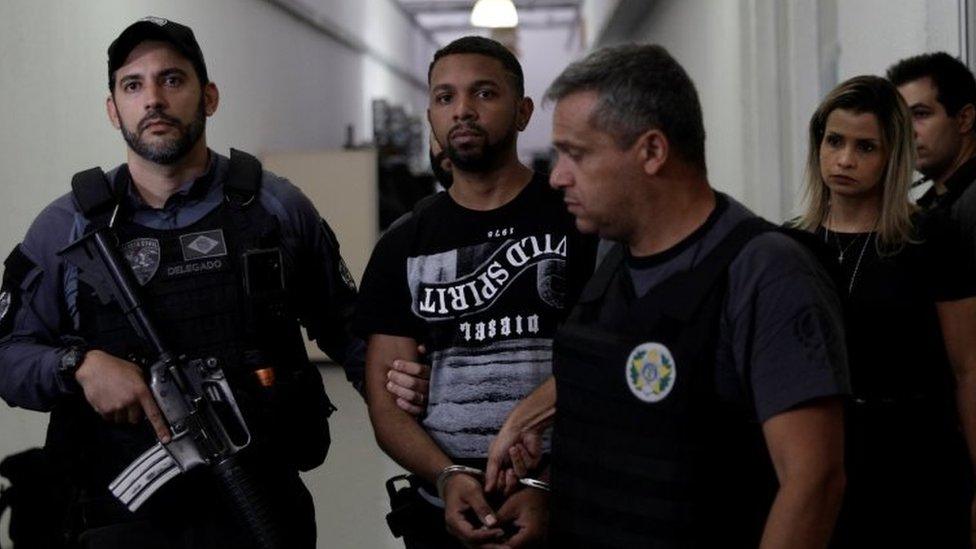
232 261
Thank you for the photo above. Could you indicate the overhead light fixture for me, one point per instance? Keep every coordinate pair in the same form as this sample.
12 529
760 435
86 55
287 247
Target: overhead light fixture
494 14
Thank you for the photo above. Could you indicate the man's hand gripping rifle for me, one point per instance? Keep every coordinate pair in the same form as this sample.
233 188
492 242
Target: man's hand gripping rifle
194 397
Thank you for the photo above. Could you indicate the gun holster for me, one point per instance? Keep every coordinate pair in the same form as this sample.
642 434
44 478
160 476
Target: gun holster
408 510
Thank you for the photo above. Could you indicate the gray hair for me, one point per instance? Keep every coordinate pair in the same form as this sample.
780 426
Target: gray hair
640 88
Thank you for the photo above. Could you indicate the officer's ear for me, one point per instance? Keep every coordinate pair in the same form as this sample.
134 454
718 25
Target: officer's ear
653 149
113 112
966 117
211 98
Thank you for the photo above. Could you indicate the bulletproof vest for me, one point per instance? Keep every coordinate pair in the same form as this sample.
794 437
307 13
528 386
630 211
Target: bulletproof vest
645 452
214 289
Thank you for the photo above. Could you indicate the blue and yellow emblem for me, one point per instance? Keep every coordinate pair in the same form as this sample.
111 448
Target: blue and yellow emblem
650 372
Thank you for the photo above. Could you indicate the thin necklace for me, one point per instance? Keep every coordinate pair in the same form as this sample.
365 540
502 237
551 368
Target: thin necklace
850 287
860 256
842 251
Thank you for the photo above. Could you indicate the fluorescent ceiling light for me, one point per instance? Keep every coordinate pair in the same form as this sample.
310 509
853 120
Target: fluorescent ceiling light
494 14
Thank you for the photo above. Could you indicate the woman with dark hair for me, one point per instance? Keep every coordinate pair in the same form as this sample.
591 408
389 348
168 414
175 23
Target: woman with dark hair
907 468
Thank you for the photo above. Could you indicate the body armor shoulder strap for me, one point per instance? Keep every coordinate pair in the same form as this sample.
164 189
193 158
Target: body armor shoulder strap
96 195
682 293
243 179
93 192
17 266
710 270
597 285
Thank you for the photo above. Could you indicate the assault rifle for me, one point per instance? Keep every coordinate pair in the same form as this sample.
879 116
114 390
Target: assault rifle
193 396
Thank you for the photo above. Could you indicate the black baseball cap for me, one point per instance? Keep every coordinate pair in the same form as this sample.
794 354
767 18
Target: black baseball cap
155 28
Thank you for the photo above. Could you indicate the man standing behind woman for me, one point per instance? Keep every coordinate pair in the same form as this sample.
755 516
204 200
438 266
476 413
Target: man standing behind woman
908 314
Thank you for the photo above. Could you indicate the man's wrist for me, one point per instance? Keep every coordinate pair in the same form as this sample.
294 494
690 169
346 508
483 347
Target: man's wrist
518 419
452 470
69 361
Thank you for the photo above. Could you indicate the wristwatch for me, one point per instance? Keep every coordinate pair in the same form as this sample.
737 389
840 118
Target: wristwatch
70 362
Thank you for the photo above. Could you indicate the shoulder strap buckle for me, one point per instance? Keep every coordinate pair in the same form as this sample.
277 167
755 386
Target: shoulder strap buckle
92 192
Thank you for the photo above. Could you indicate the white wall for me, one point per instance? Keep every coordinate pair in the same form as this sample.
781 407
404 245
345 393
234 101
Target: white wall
704 36
386 31
284 86
873 34
543 54
595 15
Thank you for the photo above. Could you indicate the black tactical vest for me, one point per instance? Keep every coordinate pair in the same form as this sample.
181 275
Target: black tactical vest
645 453
214 289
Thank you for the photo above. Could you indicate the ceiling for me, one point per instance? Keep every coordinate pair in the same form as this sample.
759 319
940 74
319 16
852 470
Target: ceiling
443 18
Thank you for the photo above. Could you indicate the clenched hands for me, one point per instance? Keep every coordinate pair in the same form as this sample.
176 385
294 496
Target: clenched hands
117 390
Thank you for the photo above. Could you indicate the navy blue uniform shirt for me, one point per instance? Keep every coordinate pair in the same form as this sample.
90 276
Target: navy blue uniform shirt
45 313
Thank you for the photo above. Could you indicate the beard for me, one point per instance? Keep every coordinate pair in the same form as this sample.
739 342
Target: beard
485 158
444 177
170 150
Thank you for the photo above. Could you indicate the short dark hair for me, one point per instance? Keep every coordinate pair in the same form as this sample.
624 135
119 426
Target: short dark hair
640 87
954 82
483 46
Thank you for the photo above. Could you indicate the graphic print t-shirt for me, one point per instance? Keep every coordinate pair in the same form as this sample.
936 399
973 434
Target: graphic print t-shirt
484 291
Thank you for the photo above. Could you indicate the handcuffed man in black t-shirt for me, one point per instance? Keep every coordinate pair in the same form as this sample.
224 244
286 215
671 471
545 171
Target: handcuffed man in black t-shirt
699 376
480 275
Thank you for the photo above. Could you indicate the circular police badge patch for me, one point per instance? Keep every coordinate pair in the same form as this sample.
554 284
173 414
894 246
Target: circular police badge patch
4 304
650 372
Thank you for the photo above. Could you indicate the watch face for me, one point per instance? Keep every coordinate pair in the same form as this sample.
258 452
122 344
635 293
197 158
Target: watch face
72 359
